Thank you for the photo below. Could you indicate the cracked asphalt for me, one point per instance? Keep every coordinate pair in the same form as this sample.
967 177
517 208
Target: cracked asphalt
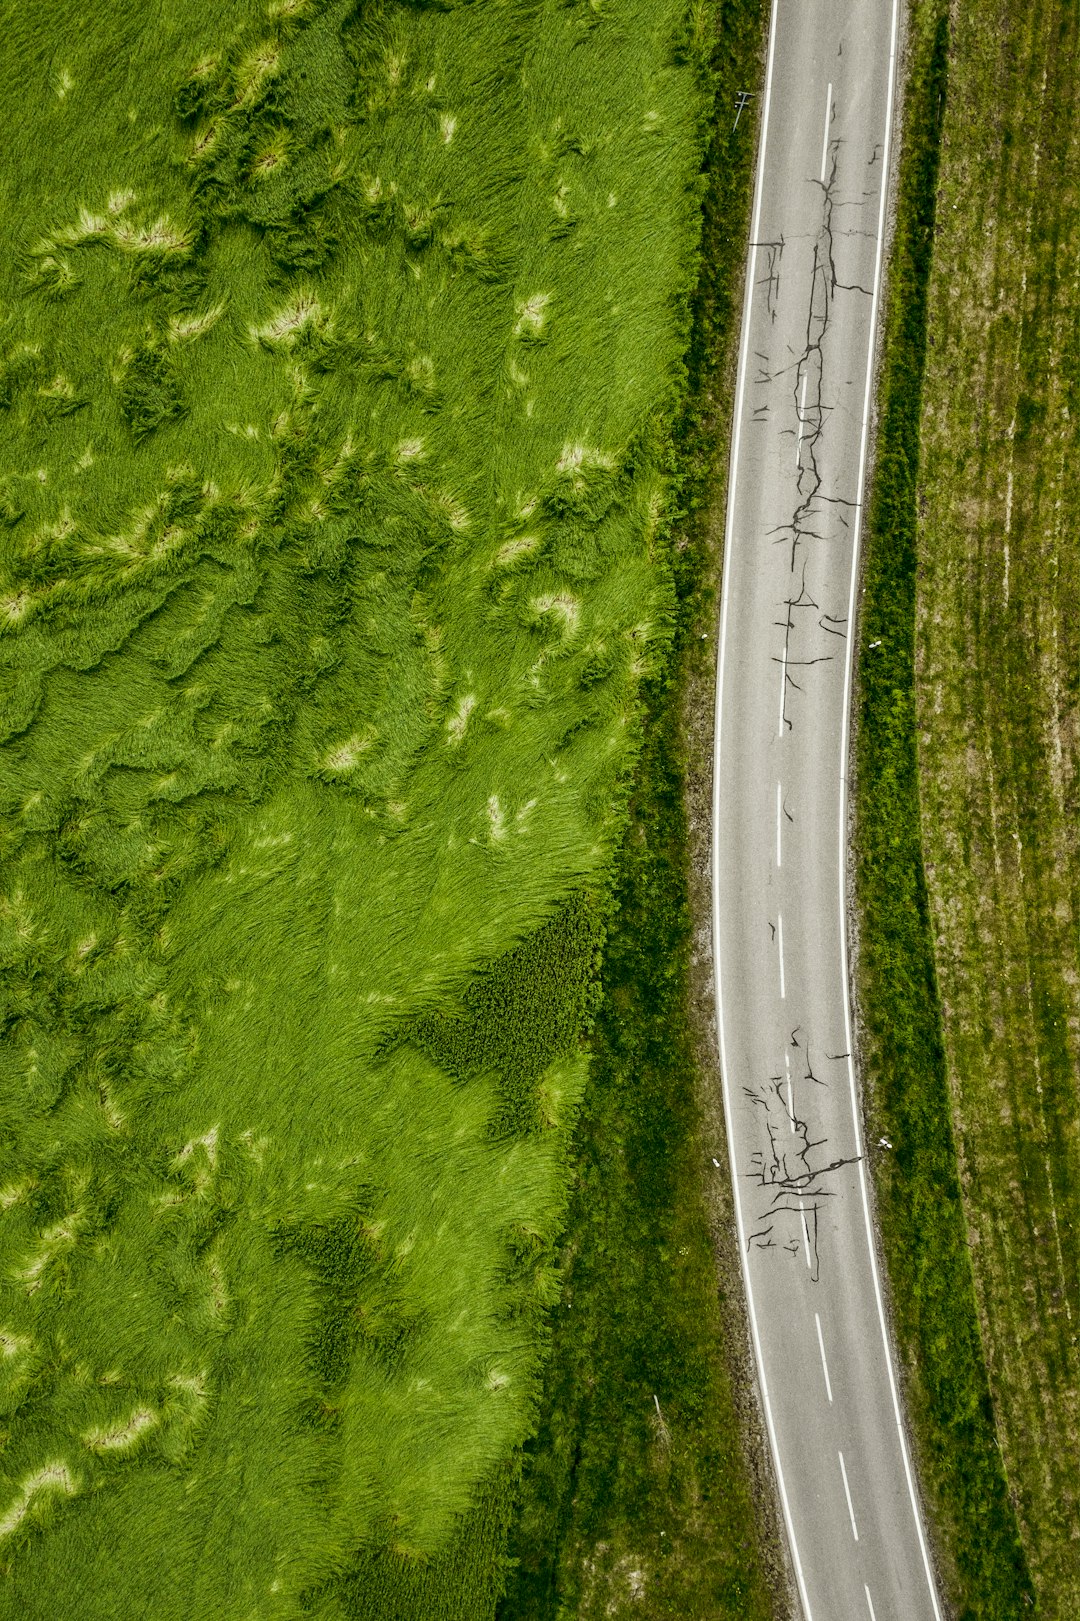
799 447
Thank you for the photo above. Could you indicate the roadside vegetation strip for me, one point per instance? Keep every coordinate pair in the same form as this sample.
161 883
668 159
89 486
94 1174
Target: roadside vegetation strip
638 1496
999 718
921 1210
340 348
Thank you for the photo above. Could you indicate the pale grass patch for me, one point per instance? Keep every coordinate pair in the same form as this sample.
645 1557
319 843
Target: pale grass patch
55 1240
409 450
12 1344
496 818
373 189
64 84
520 546
86 227
14 1193
192 1384
60 529
346 755
576 456
562 603
61 388
447 126
14 607
345 454
163 235
193 326
421 373
459 720
270 158
208 1141
219 1295
204 140
14 906
256 1147
256 66
109 1109
531 314
299 312
121 1437
457 515
54 1477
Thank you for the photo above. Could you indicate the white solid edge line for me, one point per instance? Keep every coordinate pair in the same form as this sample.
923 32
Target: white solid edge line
867 398
744 1258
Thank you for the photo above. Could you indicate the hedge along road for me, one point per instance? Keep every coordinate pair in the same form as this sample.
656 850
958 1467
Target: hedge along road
799 449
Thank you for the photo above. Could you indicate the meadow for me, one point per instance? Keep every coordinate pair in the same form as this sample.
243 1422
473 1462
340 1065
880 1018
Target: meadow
920 1202
339 354
966 798
998 707
645 1490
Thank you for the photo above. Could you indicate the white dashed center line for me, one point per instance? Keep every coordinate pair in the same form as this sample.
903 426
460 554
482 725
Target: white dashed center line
783 690
802 420
806 1237
847 1494
869 1602
825 137
824 1364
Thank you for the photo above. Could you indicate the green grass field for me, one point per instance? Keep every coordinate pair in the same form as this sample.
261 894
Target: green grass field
338 357
640 1497
967 793
998 686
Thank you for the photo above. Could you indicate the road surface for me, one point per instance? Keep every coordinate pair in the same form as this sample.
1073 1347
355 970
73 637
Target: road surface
799 447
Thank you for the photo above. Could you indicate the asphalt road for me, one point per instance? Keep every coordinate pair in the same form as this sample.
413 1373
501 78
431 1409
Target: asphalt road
825 1365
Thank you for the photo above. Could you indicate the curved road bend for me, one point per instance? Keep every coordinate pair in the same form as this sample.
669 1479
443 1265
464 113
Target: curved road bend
779 825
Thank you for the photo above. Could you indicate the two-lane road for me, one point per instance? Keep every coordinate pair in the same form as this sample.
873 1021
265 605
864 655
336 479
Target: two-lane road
798 466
